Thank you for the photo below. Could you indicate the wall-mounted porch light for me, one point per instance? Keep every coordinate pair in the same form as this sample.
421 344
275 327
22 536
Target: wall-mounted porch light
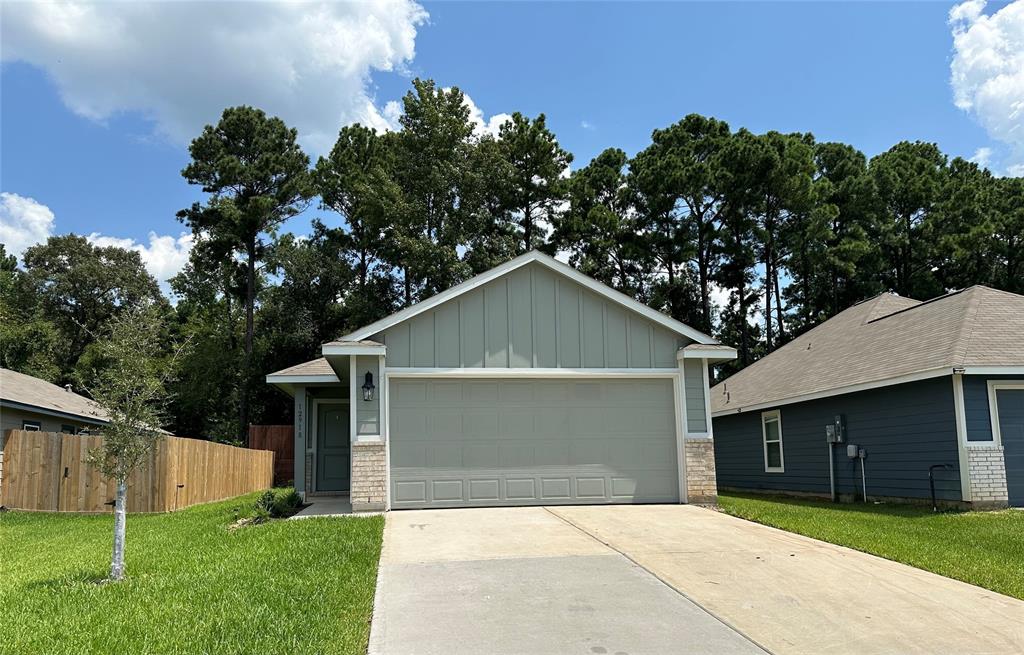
368 387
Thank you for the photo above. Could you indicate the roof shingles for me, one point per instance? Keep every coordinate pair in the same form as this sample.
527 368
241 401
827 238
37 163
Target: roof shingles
883 338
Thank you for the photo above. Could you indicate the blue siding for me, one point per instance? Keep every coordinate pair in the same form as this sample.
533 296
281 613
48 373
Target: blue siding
979 421
904 428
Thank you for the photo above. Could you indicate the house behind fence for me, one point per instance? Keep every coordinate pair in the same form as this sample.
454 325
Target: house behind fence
46 471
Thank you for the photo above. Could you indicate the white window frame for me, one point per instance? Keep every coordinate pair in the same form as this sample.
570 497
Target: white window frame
993 410
767 417
31 426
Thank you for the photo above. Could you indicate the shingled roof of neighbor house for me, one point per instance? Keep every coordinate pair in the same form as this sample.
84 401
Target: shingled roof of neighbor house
885 338
32 392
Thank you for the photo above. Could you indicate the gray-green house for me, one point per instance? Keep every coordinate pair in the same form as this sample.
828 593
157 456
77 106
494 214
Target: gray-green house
528 384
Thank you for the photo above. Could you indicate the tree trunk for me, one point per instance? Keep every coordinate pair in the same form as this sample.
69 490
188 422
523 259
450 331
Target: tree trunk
768 298
702 272
117 560
527 227
250 301
408 286
778 303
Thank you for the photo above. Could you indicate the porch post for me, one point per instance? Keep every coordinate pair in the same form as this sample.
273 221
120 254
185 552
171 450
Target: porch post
299 481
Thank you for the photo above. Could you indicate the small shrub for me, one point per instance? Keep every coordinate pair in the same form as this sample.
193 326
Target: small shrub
276 503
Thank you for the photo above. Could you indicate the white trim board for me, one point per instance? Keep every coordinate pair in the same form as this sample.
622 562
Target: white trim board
714 355
551 373
994 370
302 379
838 391
329 349
993 411
520 261
960 416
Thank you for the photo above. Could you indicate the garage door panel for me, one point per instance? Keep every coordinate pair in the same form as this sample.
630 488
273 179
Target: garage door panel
507 443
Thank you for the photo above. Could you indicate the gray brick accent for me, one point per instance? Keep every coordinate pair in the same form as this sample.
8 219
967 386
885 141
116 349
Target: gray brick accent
369 476
988 477
701 482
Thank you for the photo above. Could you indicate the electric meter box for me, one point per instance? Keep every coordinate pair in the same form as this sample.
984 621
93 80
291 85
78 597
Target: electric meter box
835 431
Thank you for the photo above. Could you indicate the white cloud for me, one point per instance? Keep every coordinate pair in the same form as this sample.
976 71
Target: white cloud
987 71
181 63
164 257
982 157
481 125
587 125
23 222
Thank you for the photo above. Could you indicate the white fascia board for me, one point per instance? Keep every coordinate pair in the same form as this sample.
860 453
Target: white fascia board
301 379
531 372
993 370
509 266
352 349
852 388
713 355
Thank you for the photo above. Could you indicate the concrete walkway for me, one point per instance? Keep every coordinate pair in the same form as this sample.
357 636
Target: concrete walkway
522 580
796 595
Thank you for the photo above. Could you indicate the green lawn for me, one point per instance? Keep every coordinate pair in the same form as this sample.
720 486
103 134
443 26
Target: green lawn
192 585
982 548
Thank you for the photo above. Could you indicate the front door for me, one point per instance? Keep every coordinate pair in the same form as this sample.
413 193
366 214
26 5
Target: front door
332 447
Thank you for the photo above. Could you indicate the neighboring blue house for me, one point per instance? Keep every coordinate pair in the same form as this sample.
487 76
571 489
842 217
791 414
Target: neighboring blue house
911 384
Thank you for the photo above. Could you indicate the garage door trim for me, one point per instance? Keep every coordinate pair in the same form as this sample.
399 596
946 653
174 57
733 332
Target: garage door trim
674 374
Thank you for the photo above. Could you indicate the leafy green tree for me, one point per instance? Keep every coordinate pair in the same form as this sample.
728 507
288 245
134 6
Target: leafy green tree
205 389
131 387
832 261
1008 230
781 172
430 220
536 162
79 287
599 230
29 343
257 177
909 179
355 181
492 237
654 200
962 230
691 151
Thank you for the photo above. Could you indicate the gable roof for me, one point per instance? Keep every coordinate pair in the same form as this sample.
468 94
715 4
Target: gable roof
31 393
520 261
885 340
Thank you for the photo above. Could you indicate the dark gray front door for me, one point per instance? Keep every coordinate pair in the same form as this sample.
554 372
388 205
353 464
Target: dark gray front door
1011 428
332 447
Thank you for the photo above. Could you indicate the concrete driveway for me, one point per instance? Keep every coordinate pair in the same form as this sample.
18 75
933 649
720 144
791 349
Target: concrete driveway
661 579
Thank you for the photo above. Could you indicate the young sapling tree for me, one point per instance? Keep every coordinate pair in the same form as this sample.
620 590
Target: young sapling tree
130 385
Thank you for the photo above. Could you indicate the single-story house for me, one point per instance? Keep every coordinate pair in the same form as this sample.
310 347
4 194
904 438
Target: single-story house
528 384
28 403
879 395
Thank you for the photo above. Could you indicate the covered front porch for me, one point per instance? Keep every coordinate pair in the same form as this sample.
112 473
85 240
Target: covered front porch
340 460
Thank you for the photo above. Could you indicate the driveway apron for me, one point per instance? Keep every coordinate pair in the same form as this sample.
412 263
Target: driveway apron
796 595
522 580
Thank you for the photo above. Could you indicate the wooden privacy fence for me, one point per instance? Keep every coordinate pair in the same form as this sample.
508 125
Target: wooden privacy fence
46 471
281 440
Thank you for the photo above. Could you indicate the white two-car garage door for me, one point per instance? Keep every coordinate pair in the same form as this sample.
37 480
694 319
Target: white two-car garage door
484 442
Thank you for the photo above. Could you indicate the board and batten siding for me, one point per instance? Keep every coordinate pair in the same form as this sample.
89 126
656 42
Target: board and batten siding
530 318
696 409
368 411
904 428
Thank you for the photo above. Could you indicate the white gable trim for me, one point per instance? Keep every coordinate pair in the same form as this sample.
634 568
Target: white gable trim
520 261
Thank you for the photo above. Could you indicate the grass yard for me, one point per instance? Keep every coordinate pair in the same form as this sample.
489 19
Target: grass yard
192 585
982 548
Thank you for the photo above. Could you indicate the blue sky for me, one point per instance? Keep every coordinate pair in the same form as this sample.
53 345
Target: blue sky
98 138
